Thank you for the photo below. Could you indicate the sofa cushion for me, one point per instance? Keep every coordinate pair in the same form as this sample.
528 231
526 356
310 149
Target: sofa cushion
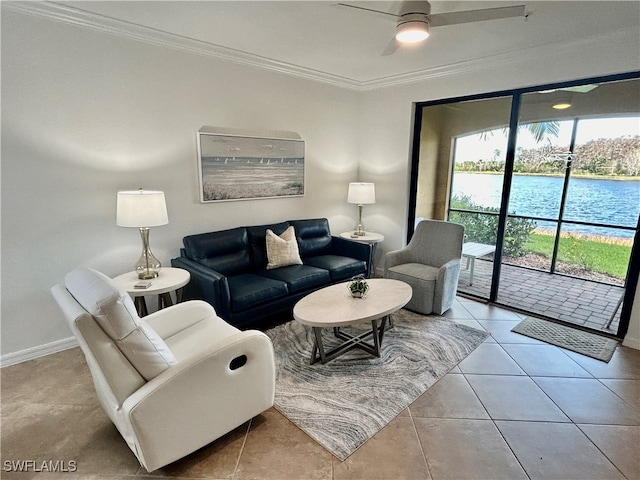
225 251
314 236
282 250
340 268
257 242
299 277
114 311
249 290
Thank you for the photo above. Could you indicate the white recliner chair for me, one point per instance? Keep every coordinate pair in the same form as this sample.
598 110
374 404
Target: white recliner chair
173 382
430 263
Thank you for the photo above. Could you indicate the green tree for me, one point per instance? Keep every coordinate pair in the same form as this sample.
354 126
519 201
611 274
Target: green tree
481 226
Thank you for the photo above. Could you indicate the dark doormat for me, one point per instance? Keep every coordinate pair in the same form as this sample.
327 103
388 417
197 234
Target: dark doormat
590 344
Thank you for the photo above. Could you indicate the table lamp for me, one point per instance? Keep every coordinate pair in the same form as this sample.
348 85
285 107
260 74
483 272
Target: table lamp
143 209
361 194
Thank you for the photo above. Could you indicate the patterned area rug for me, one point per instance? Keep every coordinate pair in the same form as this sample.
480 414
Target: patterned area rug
590 344
346 401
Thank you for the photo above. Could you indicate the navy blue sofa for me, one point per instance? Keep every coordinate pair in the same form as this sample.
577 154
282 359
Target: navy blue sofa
228 269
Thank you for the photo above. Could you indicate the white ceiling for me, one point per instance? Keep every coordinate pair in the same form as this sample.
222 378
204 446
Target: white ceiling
320 39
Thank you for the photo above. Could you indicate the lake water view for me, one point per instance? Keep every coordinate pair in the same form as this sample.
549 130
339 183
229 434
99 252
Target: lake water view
612 202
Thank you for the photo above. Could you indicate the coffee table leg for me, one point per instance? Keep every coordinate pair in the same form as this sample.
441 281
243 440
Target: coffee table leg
317 346
383 327
376 337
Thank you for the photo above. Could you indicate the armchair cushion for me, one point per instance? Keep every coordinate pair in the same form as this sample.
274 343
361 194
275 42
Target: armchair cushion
282 250
114 311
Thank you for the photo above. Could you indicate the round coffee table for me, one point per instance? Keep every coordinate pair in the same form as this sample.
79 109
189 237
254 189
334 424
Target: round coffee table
334 306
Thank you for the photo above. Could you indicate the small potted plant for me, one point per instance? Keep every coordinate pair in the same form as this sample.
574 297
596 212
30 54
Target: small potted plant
358 286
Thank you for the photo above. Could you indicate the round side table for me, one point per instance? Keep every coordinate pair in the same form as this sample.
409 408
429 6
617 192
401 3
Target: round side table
369 237
169 279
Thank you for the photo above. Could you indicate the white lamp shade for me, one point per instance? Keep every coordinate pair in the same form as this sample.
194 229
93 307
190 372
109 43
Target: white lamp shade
141 208
361 193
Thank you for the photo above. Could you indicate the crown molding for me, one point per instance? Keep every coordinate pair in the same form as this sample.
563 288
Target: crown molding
73 16
528 55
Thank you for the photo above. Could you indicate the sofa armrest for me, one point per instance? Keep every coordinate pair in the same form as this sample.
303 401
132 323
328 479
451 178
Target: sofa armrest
205 284
194 402
358 250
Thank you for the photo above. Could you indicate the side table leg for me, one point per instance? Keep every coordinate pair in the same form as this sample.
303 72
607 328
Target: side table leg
164 300
473 264
141 306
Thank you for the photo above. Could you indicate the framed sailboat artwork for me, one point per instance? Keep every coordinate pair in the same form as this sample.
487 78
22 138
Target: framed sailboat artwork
235 166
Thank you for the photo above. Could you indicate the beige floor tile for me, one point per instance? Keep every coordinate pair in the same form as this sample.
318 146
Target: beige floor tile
625 363
66 433
216 460
628 390
450 397
545 361
394 453
460 449
500 330
482 311
490 359
514 398
469 322
619 443
276 449
556 451
458 311
586 400
59 378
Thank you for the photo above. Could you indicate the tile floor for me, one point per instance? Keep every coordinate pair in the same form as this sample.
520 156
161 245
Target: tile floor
515 408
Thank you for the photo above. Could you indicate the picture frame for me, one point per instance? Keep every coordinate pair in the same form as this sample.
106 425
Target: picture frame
235 167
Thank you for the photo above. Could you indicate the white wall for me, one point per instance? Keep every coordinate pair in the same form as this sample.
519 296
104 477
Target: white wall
86 114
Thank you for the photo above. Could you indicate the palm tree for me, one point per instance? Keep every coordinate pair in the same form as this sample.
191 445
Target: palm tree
539 130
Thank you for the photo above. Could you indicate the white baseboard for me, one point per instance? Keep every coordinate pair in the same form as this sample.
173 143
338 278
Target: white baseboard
36 352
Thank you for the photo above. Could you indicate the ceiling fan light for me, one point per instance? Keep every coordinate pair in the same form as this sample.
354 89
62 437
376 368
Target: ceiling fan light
562 101
412 32
561 105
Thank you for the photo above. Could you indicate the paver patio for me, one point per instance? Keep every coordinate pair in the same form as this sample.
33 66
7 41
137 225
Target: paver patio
573 300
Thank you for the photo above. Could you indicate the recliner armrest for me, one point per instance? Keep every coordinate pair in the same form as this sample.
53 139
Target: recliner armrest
171 320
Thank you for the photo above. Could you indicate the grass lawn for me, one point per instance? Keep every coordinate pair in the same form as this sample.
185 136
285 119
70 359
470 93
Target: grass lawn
591 254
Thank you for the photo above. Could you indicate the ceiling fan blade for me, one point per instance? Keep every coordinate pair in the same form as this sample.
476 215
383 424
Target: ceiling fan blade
468 16
391 47
390 16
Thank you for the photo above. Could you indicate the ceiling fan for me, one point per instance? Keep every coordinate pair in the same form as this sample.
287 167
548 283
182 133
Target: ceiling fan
415 18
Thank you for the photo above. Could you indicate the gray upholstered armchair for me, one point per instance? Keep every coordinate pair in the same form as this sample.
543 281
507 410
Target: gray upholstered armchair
430 263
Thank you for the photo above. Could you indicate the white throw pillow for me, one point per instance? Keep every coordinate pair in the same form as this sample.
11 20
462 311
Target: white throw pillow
282 250
114 311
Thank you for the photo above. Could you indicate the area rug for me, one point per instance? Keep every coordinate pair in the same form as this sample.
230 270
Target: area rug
346 401
585 343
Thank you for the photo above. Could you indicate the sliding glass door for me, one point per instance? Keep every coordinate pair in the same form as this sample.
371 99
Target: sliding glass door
550 198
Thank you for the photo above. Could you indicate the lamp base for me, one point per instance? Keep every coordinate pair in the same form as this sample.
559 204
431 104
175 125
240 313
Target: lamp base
147 266
359 228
